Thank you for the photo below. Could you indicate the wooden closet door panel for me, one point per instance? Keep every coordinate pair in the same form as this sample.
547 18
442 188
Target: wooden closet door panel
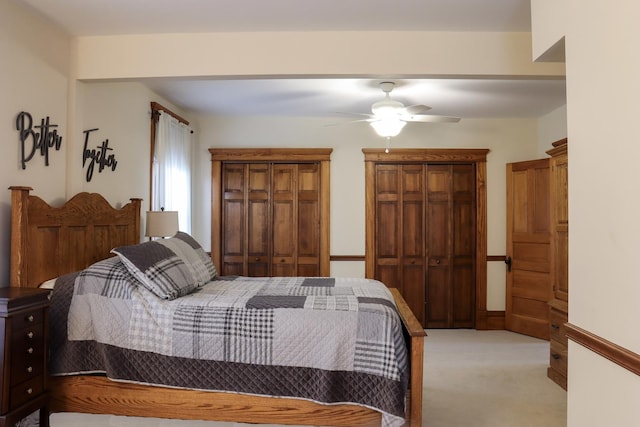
284 210
387 200
233 238
438 215
413 212
437 307
258 219
388 231
438 272
463 248
462 309
308 248
413 238
233 218
451 245
308 256
413 259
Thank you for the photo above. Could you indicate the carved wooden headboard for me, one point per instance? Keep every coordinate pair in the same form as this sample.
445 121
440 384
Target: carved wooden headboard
47 242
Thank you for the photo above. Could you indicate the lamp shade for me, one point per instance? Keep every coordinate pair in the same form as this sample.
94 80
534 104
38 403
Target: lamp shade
388 127
161 223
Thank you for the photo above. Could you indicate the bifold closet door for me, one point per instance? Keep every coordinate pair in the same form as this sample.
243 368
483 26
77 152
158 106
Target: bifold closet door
296 220
246 192
400 227
271 219
450 284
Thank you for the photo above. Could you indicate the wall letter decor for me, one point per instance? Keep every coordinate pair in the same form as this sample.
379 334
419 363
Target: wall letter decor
43 140
97 156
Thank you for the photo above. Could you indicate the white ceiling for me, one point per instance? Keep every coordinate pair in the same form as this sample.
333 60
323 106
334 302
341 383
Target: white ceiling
465 98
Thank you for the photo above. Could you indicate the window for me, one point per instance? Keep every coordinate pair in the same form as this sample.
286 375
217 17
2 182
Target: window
171 165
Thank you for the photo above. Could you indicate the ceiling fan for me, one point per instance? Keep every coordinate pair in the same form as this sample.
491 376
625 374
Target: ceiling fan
389 116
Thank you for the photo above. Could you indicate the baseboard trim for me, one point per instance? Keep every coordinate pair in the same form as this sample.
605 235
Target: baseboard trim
490 320
605 348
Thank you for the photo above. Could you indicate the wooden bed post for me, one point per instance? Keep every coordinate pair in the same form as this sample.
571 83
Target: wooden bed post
19 221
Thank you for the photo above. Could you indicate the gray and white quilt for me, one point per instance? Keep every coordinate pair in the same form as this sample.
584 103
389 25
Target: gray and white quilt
328 340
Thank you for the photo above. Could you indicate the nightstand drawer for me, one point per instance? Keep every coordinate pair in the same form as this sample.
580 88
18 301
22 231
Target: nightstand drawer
27 353
26 365
25 391
26 319
27 337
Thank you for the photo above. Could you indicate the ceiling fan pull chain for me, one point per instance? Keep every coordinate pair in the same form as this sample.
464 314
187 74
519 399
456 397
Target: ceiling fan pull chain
387 145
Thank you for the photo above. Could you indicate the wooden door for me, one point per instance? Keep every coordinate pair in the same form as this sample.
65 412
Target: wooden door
233 214
284 220
308 222
246 215
425 239
450 285
271 217
270 211
528 237
400 228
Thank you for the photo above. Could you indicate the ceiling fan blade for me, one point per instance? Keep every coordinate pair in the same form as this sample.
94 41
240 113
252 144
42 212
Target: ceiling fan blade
431 119
355 114
349 122
416 109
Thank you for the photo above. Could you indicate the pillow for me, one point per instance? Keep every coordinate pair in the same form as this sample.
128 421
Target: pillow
170 268
48 284
187 248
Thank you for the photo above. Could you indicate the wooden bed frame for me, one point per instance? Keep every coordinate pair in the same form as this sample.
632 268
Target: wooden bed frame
47 242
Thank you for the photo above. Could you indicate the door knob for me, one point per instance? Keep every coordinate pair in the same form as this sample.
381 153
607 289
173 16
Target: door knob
507 261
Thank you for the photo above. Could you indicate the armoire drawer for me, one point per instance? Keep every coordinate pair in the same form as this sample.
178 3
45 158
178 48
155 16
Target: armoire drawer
557 320
558 357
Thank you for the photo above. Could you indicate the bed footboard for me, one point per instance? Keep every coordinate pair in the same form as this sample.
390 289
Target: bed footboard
415 335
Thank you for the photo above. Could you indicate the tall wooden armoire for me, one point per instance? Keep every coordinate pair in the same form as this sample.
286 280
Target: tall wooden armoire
424 232
559 305
270 211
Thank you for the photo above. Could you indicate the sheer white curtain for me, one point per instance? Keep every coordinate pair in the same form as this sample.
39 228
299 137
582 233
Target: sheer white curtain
171 179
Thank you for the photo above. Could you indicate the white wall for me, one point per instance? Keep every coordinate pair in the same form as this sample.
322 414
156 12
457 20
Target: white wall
121 112
551 128
603 41
34 77
508 140
548 21
602 44
332 53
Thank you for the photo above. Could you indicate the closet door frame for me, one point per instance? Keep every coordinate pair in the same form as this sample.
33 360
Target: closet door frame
478 157
275 155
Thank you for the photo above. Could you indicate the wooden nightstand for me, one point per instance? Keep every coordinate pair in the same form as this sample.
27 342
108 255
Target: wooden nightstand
23 356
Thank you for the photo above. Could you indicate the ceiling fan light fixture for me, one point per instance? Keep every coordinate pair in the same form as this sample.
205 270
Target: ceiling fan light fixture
388 128
387 109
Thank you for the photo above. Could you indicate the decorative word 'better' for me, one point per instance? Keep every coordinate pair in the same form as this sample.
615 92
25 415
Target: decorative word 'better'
42 140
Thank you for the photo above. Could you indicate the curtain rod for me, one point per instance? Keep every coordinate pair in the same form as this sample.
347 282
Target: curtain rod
155 107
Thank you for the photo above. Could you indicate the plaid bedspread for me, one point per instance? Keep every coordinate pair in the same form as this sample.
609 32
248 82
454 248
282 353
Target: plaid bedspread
329 340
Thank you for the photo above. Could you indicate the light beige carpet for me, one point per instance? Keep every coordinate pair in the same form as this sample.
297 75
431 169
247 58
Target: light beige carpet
489 379
471 379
